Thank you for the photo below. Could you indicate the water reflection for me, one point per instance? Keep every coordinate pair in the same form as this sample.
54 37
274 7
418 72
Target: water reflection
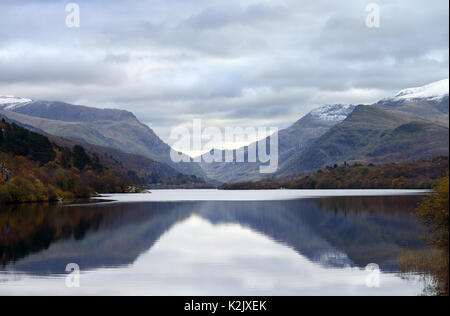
335 232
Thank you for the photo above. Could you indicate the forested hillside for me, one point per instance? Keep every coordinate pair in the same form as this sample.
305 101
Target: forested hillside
35 168
404 175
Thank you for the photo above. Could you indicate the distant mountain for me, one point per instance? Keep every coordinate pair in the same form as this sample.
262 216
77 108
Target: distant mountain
433 91
371 134
291 141
8 102
135 169
429 102
104 127
411 125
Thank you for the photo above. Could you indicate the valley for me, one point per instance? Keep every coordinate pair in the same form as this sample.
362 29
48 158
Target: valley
410 126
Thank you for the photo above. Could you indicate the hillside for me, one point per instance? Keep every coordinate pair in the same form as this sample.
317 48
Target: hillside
404 175
147 169
34 167
117 129
430 102
372 135
413 124
141 170
291 141
38 170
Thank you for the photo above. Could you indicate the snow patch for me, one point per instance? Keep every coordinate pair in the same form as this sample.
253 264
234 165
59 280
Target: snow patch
433 91
333 112
9 102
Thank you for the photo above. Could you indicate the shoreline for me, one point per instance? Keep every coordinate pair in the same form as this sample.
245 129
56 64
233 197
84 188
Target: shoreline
226 195
250 195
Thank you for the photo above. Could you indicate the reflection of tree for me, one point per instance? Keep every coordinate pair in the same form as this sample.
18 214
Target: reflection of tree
26 229
332 231
434 213
431 265
365 204
132 229
367 229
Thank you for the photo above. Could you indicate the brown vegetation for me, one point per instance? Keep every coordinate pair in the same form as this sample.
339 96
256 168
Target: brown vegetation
434 212
43 171
403 175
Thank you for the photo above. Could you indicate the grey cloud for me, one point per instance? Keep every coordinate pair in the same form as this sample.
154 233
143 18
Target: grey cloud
50 67
221 16
170 61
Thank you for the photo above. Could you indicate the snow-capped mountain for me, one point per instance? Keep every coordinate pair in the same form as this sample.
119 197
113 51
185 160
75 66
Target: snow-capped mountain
428 102
433 91
9 102
118 129
291 141
333 112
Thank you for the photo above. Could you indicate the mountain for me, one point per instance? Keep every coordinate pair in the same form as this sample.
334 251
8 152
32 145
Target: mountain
291 140
411 126
37 170
41 158
117 129
429 102
421 174
433 91
8 102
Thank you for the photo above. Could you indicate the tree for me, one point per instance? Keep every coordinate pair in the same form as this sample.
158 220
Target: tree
66 157
80 158
433 211
96 165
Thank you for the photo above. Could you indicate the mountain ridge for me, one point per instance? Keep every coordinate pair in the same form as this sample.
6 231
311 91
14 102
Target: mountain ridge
371 134
377 132
291 140
113 128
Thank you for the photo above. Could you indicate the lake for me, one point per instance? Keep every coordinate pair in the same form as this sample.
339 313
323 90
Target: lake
209 242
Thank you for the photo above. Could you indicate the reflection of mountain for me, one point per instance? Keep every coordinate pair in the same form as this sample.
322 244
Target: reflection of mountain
281 221
92 236
333 232
368 230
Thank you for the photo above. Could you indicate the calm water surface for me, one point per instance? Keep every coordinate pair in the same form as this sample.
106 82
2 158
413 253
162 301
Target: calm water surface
207 242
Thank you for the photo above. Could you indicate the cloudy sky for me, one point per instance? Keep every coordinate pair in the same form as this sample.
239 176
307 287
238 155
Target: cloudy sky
227 62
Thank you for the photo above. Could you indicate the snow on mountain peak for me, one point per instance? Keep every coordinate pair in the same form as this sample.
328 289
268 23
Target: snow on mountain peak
9 102
333 112
433 91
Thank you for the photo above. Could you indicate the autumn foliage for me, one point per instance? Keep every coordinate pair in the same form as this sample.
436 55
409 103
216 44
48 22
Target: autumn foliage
434 212
402 175
43 171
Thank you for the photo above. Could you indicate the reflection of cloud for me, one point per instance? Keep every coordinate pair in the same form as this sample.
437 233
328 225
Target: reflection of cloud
334 258
219 60
253 247
197 258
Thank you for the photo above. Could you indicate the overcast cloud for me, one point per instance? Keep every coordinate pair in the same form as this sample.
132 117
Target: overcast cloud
228 62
